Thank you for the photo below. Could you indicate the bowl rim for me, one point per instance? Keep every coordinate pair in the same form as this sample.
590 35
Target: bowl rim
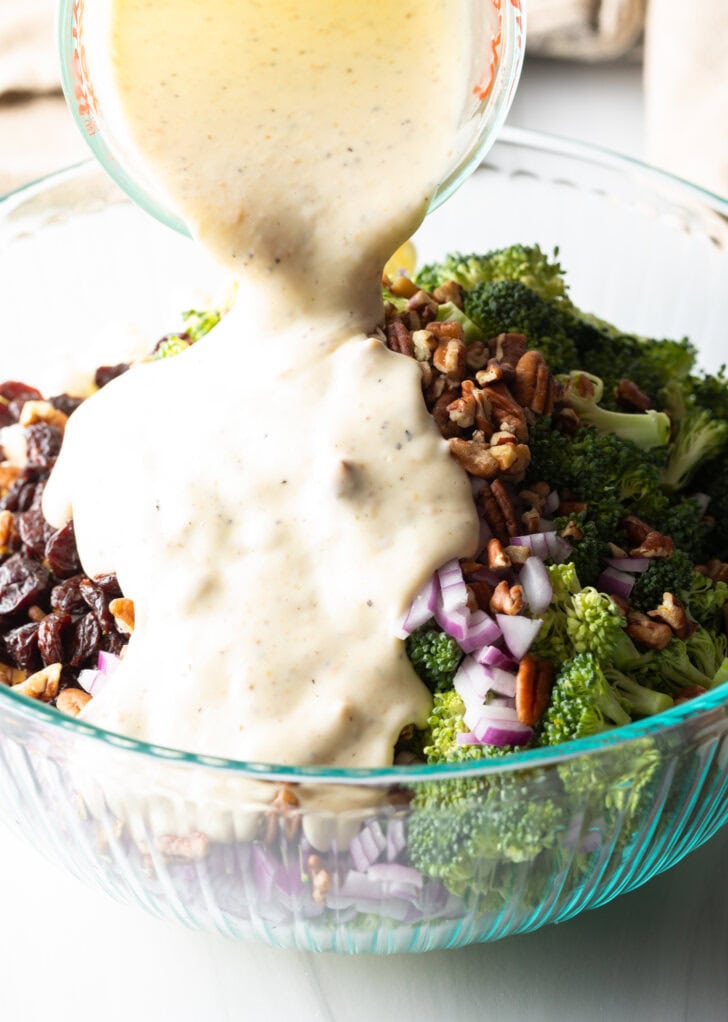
665 723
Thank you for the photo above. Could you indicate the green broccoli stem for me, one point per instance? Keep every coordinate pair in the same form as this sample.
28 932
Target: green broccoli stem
583 393
638 700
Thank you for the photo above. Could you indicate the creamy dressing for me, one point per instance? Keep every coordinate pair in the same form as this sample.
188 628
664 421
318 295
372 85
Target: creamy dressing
272 498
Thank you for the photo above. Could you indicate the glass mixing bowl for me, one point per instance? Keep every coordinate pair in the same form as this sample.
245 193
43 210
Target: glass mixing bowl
539 837
497 42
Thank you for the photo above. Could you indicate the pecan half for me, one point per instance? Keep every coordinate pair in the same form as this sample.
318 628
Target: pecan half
506 599
493 514
399 337
673 613
654 634
476 355
636 529
527 369
510 348
534 682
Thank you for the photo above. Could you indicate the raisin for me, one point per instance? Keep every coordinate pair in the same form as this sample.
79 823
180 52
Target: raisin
98 601
34 531
44 443
22 490
50 638
66 596
105 374
18 393
61 552
85 642
68 678
65 403
21 645
114 642
22 582
108 584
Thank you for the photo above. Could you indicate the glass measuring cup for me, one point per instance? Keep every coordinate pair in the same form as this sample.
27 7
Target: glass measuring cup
497 46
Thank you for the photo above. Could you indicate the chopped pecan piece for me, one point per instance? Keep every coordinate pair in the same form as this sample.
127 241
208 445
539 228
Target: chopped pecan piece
506 599
506 506
42 411
534 682
571 507
476 457
510 348
42 685
715 570
422 302
493 514
399 338
173 846
72 700
462 410
497 557
441 413
448 330
636 529
673 613
654 634
122 610
7 528
449 357
450 291
283 807
320 878
518 554
423 344
691 692
628 393
533 498
493 373
532 520
482 592
476 355
654 545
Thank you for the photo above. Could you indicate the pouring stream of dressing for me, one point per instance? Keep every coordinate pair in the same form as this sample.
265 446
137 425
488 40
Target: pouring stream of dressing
272 498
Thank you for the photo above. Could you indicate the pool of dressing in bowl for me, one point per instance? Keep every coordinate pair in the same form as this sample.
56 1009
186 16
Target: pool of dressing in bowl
272 498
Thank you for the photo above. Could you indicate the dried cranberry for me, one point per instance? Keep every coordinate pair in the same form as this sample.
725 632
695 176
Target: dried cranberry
34 531
21 645
98 601
44 443
65 403
6 417
50 638
66 596
85 642
61 552
22 582
105 374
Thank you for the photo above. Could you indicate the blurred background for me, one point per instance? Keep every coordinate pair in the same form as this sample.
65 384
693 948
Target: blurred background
647 77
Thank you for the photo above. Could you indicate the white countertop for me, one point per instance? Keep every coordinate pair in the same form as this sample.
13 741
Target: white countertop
71 955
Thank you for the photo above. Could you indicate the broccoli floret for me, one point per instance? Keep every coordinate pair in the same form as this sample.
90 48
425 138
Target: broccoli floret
593 623
699 437
583 392
638 700
706 601
613 355
582 703
589 552
443 726
707 650
509 306
450 313
564 582
710 391
458 828
170 346
672 669
684 522
665 575
524 263
435 656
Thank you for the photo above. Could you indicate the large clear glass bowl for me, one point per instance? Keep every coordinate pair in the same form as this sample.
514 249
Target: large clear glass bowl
543 835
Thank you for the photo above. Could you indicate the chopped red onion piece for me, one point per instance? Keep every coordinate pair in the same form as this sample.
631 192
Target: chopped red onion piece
472 682
617 582
491 656
367 845
466 738
455 622
107 662
87 679
536 542
420 610
559 549
636 564
506 734
357 884
396 839
536 583
503 682
518 631
453 593
482 630
552 502
393 872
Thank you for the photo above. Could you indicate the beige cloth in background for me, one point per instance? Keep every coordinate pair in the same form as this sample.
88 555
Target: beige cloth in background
686 79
